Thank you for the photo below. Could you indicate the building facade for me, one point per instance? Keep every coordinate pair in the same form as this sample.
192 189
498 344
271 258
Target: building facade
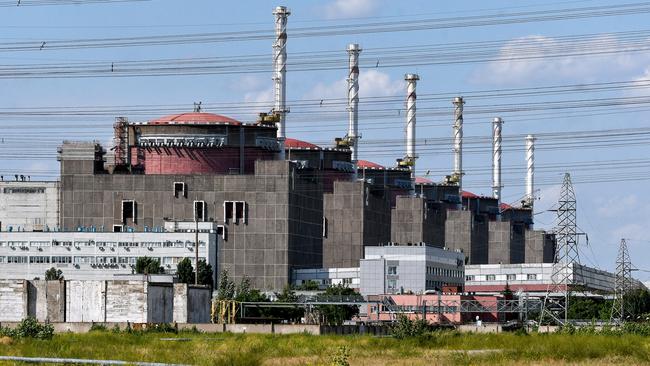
29 205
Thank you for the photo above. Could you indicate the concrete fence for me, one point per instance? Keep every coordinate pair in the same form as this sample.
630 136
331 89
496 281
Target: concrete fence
116 301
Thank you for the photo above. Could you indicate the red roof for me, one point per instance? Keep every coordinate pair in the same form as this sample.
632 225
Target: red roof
422 180
194 118
361 164
467 194
299 144
505 207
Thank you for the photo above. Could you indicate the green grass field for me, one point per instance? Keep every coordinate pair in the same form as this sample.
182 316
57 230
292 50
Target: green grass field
251 349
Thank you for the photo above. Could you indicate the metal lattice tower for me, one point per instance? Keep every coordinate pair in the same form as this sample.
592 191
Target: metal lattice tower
623 282
566 256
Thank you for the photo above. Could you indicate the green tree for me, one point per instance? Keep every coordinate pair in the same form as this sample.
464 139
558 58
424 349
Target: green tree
185 271
310 285
337 314
53 274
292 314
226 288
147 265
205 273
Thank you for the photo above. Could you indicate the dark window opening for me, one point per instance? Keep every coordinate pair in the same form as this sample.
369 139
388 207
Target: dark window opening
117 228
128 211
179 189
199 210
240 211
221 231
228 209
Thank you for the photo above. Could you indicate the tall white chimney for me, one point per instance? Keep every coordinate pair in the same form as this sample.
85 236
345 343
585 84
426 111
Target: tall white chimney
353 101
279 72
458 142
496 158
530 171
411 83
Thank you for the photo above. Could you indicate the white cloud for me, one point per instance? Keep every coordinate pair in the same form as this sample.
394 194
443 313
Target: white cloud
350 8
372 83
538 66
616 206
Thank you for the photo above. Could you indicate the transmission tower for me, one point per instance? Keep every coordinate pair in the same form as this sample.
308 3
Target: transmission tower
556 301
623 282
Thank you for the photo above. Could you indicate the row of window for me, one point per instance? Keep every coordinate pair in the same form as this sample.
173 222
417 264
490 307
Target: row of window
38 259
108 244
235 211
509 277
444 272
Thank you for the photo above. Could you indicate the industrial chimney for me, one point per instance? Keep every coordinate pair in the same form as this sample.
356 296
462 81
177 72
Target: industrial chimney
529 199
279 72
496 158
353 101
458 142
409 160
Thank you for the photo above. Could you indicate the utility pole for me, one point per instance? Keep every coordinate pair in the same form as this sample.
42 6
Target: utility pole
566 257
622 284
196 245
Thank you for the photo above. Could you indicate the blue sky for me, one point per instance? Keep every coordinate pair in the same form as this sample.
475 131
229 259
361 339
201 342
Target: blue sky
608 211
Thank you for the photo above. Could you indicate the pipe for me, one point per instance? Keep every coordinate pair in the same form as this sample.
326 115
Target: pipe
458 142
279 72
411 83
530 171
353 100
496 158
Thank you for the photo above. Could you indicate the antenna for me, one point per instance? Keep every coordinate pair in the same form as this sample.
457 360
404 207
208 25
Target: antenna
197 107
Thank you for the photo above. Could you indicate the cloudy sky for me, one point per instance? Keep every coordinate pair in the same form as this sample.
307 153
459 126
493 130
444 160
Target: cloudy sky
501 69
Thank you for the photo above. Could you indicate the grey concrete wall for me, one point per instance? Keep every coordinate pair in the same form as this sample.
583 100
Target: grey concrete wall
192 304
539 247
46 300
160 303
458 232
13 300
126 301
499 242
357 215
417 220
85 301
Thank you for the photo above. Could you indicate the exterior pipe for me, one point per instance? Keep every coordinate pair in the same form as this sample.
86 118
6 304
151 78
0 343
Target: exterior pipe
530 172
458 142
353 101
279 72
496 158
411 83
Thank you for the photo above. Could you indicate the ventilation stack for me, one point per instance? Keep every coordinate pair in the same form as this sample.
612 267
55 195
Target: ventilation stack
411 97
353 102
497 124
529 199
279 73
458 143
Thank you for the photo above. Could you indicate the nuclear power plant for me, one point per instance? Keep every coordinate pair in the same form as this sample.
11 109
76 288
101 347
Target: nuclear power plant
268 205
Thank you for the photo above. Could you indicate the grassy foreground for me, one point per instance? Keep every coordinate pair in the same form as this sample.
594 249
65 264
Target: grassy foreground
254 349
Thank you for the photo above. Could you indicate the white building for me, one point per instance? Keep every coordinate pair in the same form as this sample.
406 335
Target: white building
99 255
29 206
324 277
393 268
533 278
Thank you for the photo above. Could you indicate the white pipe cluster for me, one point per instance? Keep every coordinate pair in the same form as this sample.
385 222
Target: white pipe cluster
279 71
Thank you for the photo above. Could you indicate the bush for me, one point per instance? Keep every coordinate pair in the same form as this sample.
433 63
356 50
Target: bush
341 356
31 328
407 328
95 327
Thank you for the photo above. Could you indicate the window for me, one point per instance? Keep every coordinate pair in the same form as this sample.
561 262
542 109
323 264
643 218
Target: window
84 260
511 277
199 210
39 244
469 278
179 189
221 230
490 277
61 259
39 259
16 259
531 277
123 260
3 259
128 211
117 228
392 270
234 210
392 285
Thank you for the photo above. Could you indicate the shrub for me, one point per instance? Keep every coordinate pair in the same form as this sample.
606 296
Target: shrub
95 327
31 328
341 356
407 328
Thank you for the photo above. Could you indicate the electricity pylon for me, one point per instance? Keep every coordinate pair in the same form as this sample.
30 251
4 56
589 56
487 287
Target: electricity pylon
622 284
556 301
